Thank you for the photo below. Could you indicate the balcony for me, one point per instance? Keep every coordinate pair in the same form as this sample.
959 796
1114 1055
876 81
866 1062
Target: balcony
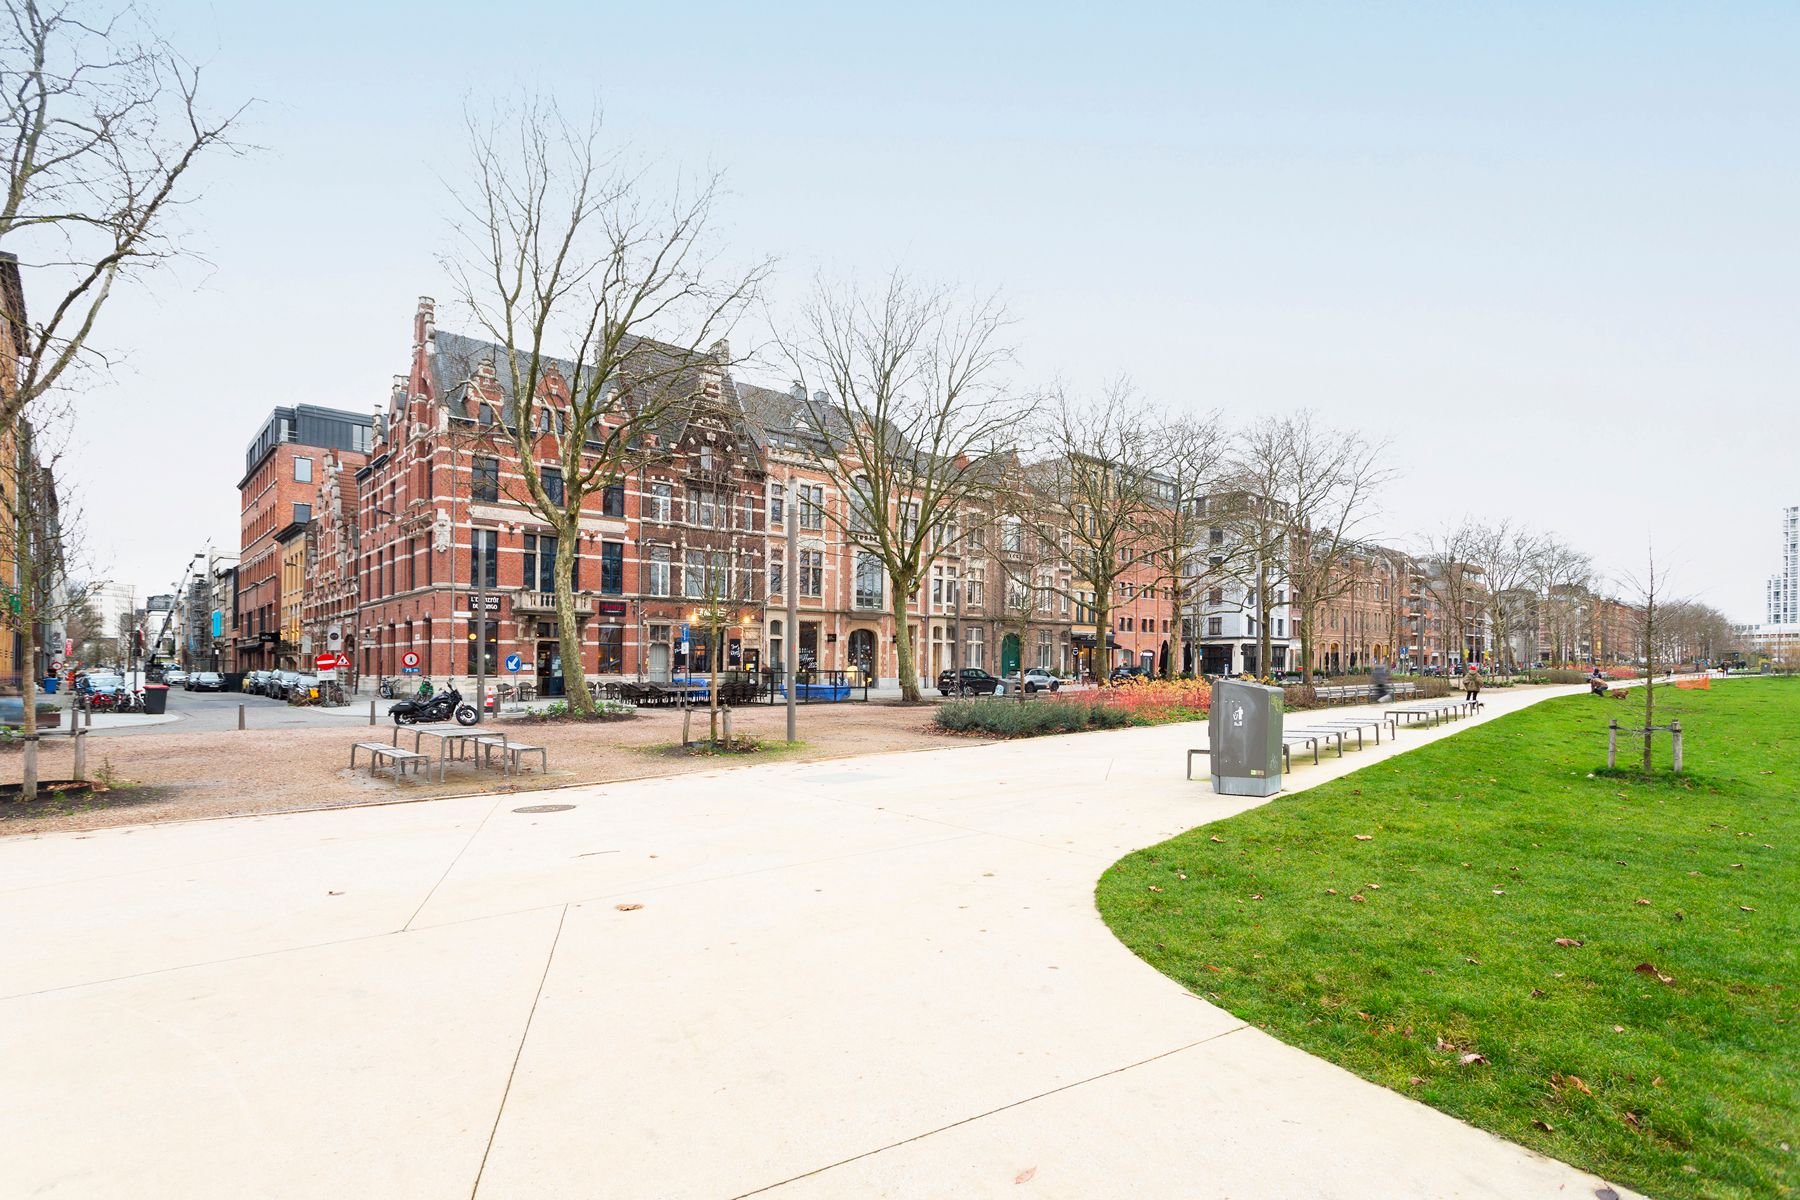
526 601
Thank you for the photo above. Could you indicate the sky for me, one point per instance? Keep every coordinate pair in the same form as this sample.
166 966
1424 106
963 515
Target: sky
1547 252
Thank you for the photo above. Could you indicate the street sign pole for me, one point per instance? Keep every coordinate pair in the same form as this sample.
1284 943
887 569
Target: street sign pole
480 639
791 581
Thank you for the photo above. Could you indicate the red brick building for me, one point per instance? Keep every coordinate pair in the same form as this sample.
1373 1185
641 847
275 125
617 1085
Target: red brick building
443 519
280 489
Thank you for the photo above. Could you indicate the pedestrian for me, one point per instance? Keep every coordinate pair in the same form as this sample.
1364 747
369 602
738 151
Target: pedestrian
1471 682
1379 677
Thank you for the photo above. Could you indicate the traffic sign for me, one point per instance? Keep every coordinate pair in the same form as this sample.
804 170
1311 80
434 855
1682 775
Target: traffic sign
410 660
343 660
326 662
514 662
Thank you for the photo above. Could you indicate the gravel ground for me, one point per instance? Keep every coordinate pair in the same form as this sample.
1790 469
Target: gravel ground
187 776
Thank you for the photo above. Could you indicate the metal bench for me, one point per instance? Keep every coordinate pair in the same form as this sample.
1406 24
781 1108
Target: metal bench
1289 739
398 758
1433 714
510 753
1354 725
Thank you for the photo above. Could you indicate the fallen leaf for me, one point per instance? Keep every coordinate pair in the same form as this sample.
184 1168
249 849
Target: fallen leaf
1218 839
1256 897
1499 891
1331 891
1631 1119
1618 1029
1373 887
1621 862
1473 961
1536 993
1739 866
1546 1126
628 907
1365 837
1568 941
1416 1080
1657 1082
1645 968
1640 901
334 893
1465 864
1026 1175
1359 899
1471 1058
1210 967
1181 875
1745 908
1154 888
1575 1082
1443 1045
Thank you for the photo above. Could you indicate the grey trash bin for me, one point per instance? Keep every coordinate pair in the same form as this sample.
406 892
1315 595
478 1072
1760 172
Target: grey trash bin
1245 731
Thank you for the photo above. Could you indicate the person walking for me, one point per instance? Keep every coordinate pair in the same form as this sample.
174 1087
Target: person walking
1383 685
1471 682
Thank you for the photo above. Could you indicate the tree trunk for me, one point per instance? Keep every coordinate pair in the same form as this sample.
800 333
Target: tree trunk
903 647
1101 657
1179 633
1265 645
568 629
717 633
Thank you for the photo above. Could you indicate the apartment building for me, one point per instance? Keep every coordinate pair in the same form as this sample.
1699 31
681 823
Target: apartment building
276 498
446 532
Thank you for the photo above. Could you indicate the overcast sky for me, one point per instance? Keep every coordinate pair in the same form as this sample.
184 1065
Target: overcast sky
1551 254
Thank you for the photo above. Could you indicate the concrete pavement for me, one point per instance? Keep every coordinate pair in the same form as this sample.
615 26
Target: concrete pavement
872 977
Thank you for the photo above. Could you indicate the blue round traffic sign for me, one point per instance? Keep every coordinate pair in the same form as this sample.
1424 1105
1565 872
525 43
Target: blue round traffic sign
514 662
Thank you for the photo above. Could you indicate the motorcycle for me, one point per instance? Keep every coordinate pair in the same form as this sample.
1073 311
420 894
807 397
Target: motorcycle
425 709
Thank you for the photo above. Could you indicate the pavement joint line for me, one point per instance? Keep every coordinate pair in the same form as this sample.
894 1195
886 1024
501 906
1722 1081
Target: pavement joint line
519 1052
918 1137
451 866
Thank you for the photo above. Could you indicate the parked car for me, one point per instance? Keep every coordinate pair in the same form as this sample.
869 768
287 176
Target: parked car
282 684
174 676
975 682
256 683
1035 679
103 683
1127 674
205 681
304 687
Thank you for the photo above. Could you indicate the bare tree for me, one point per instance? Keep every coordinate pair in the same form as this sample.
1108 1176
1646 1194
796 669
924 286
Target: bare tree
103 128
566 248
1454 582
1562 577
1505 555
902 387
1192 454
1098 491
1304 493
1651 596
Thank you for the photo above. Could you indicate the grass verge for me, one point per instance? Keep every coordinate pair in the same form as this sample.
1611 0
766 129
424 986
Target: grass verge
1604 968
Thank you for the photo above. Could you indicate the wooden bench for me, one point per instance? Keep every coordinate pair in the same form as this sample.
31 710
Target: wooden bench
400 759
510 753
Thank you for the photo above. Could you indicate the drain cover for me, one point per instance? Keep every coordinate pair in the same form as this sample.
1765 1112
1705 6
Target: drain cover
538 808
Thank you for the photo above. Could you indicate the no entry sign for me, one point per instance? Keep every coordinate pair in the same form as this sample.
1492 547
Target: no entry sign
331 662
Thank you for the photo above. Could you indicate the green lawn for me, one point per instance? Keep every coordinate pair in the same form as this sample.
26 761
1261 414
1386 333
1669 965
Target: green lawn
1661 1051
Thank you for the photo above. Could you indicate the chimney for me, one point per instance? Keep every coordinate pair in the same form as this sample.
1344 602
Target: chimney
425 324
797 390
721 352
822 399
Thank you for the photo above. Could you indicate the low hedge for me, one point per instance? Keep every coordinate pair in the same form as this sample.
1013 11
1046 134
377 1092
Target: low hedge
1010 718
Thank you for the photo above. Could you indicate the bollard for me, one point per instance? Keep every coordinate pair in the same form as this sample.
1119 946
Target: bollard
80 771
1612 743
1675 729
240 716
87 716
371 712
727 726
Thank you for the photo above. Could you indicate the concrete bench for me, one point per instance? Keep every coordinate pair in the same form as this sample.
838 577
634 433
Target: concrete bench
399 759
1432 713
510 753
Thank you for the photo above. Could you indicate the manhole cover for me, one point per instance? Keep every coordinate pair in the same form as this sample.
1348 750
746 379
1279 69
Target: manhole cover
538 808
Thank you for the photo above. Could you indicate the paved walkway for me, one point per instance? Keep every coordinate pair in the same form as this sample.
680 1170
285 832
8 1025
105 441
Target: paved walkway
873 977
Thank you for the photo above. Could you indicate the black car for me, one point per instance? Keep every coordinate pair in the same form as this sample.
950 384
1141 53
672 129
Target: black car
1126 674
975 682
205 681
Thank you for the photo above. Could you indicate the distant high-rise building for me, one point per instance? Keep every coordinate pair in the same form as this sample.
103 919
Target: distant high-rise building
1784 588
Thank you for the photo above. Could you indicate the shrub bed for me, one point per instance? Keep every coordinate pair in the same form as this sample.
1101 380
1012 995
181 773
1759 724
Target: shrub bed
1156 702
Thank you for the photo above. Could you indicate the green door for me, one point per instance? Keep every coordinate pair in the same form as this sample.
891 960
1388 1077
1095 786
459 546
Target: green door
1009 654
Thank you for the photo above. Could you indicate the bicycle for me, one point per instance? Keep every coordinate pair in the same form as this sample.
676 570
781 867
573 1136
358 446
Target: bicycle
384 687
